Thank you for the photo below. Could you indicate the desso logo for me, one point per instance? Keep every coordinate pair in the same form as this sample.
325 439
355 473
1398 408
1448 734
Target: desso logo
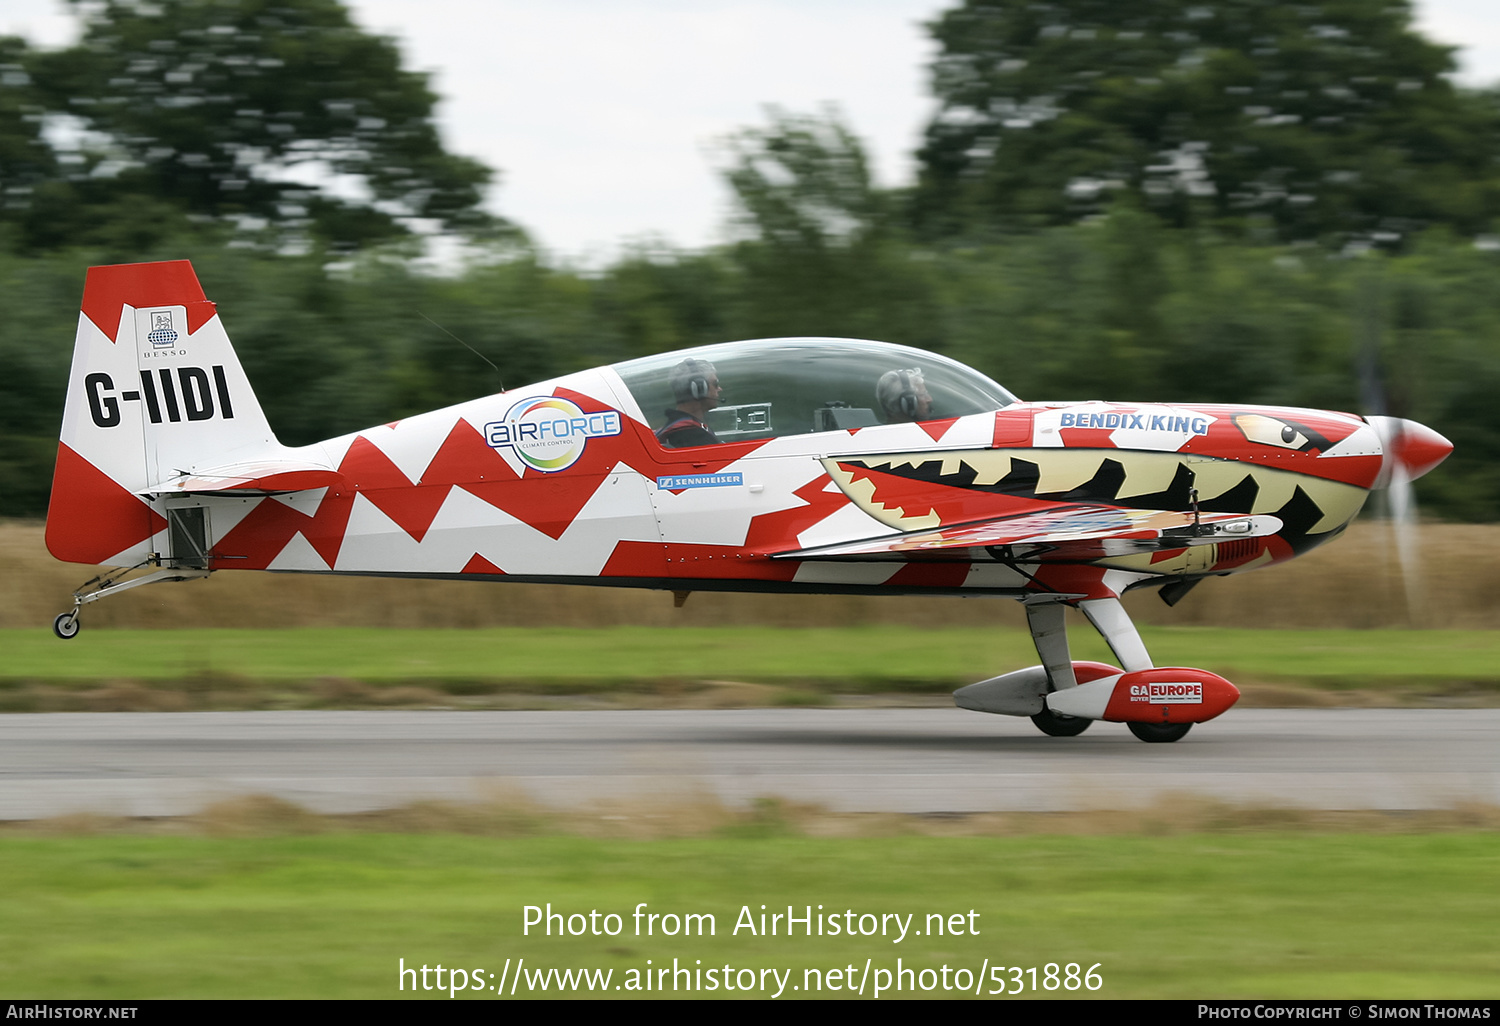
549 434
1168 693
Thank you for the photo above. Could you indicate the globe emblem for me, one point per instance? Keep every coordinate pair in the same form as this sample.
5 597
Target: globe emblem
161 334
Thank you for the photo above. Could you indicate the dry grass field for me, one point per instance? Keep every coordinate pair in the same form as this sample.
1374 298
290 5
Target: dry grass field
1352 583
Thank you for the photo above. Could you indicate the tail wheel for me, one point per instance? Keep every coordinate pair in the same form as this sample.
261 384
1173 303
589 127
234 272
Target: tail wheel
1057 725
66 625
1159 733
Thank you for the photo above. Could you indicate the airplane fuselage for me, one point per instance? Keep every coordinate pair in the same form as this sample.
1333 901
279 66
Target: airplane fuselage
806 464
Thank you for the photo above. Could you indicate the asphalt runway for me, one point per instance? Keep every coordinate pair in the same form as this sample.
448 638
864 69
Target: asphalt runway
857 760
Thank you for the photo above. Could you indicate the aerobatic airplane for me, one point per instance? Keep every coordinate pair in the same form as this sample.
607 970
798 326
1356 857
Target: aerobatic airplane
810 465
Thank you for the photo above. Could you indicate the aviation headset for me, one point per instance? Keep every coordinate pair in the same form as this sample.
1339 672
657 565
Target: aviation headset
695 384
698 386
907 401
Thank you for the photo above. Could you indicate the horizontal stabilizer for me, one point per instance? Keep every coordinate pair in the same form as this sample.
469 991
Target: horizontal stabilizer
258 477
1134 530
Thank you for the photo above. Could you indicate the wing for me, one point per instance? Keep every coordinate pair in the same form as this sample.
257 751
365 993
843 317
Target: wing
1065 531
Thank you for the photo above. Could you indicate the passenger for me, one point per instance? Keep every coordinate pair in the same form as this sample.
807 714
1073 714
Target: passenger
695 390
903 396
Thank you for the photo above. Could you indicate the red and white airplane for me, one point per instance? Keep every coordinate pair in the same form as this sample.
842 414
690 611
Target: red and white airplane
792 465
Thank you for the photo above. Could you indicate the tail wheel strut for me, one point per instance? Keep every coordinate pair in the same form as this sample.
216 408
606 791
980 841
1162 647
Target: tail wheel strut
66 625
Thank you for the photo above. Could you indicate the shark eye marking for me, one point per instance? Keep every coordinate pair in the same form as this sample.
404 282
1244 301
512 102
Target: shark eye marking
1284 434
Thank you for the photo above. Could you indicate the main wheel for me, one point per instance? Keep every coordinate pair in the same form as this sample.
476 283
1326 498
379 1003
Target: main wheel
66 625
1159 733
1058 725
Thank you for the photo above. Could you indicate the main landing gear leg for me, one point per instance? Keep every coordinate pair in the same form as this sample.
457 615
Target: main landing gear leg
1114 624
1049 632
1050 635
1110 619
66 625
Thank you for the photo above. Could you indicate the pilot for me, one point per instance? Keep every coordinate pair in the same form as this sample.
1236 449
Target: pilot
695 390
903 396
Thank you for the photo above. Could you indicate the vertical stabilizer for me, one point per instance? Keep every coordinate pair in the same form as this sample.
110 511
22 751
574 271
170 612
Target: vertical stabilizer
156 391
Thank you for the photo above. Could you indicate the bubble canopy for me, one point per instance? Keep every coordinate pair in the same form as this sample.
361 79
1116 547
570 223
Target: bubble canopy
794 386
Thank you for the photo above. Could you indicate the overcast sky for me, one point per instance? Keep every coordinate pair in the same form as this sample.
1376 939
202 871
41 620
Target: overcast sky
601 115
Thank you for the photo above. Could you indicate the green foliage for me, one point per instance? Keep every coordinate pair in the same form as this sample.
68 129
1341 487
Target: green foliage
1123 308
821 256
199 111
658 300
1324 120
225 109
803 183
25 159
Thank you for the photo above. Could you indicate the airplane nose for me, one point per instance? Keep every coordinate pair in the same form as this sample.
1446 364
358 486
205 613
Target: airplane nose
1416 448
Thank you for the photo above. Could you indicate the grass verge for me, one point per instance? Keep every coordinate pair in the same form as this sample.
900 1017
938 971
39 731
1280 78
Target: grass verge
1191 902
692 666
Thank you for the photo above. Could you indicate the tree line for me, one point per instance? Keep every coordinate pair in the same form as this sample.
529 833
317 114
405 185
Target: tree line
1245 202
